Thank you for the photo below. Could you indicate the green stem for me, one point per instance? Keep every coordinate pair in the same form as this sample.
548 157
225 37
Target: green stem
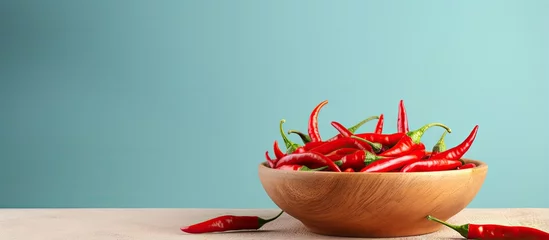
463 230
440 146
305 168
290 146
418 133
370 157
304 137
358 125
263 221
375 146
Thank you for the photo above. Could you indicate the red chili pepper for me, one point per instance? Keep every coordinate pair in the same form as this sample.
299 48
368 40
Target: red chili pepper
297 167
290 146
229 223
431 165
313 122
387 140
375 147
343 131
270 161
308 158
440 146
349 170
278 153
329 147
304 137
352 129
390 164
407 143
340 153
493 231
458 151
379 126
468 165
357 160
402 122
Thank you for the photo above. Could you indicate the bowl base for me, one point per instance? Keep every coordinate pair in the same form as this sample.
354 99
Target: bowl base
374 233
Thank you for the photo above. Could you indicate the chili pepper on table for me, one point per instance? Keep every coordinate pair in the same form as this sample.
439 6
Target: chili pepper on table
297 167
468 165
458 151
278 153
229 223
431 165
493 231
352 129
304 137
313 122
379 126
392 163
308 158
408 142
402 121
290 146
440 146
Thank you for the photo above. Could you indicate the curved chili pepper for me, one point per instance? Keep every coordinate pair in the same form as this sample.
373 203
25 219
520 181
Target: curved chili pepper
278 153
357 160
431 165
329 147
313 122
440 146
297 167
468 165
308 158
390 164
353 129
379 126
304 137
493 231
341 129
402 122
458 151
270 161
407 143
229 223
349 170
290 146
383 139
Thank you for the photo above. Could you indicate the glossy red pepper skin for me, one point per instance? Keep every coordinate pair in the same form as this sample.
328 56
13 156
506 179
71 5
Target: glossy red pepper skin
278 153
343 131
404 146
313 122
308 158
354 160
379 126
270 161
402 121
458 151
493 231
466 166
329 147
390 164
340 153
431 165
387 140
228 223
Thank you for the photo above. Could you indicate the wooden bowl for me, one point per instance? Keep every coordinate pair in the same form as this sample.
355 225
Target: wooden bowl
359 204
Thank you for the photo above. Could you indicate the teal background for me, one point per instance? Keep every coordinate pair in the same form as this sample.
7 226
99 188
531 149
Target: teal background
173 103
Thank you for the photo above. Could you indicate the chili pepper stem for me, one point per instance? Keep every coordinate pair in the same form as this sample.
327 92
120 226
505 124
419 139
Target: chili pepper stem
463 230
305 168
263 221
358 125
290 146
304 137
440 146
375 146
416 135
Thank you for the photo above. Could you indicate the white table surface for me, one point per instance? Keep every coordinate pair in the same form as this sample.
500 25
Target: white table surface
164 224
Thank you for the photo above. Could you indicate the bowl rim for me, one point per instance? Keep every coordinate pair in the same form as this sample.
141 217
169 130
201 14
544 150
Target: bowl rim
480 166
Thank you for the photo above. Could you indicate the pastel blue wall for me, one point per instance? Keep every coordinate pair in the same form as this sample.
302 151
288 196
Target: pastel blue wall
173 103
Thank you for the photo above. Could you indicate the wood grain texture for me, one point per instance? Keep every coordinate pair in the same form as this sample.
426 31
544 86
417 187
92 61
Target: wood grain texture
164 224
372 204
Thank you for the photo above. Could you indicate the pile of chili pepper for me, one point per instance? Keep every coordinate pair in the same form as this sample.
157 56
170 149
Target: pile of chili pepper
375 151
